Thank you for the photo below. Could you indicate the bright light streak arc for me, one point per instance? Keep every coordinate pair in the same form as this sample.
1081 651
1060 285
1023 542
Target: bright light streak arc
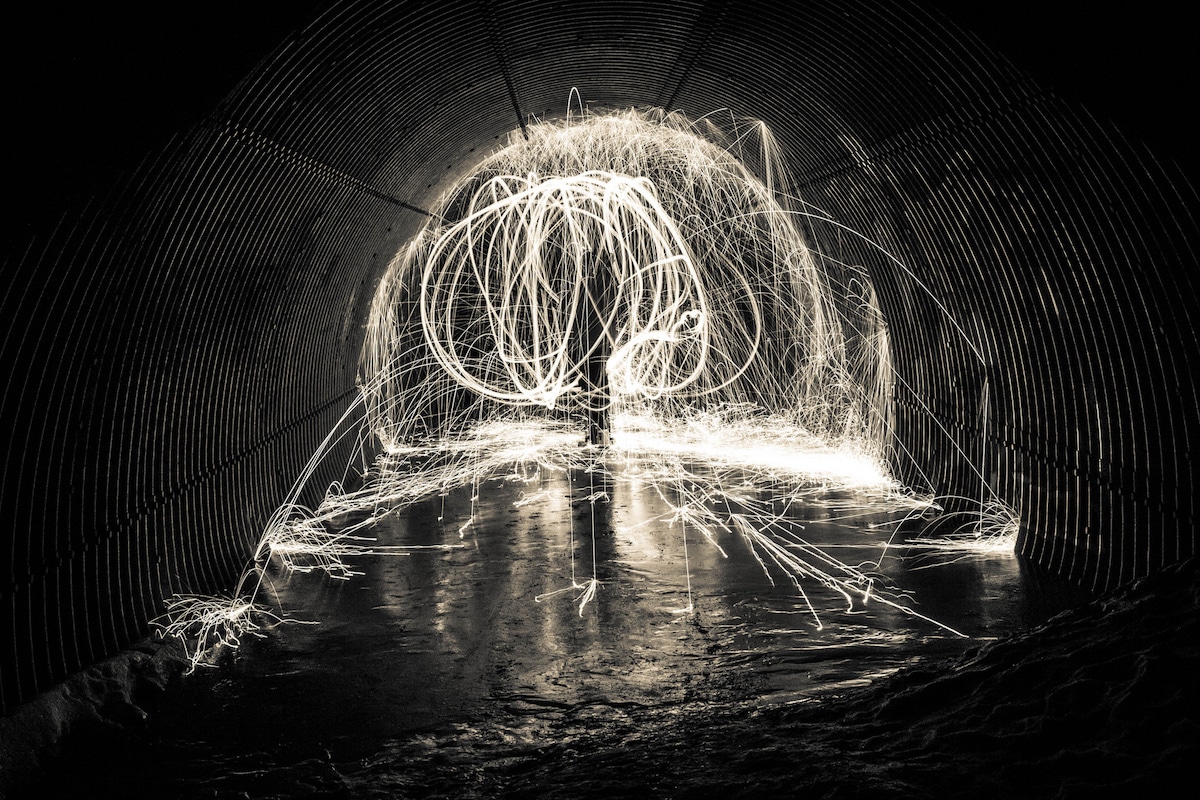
521 262
632 266
631 240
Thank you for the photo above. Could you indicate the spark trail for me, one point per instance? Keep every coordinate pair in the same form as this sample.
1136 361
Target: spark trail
632 273
723 338
631 240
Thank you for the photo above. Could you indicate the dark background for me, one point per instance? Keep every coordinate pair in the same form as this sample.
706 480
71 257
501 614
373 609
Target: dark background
93 89
151 384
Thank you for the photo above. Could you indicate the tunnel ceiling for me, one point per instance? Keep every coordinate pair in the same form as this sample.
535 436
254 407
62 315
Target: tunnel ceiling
183 324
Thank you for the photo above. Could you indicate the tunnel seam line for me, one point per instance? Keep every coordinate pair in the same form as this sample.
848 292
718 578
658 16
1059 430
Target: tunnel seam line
245 136
162 499
703 28
492 24
929 130
1061 460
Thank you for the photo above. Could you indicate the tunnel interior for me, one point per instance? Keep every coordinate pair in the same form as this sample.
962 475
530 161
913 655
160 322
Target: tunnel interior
622 264
186 326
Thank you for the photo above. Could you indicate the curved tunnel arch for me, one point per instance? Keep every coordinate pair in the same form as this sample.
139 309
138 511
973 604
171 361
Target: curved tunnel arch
183 344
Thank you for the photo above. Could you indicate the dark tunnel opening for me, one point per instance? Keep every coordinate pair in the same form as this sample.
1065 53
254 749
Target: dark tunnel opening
209 203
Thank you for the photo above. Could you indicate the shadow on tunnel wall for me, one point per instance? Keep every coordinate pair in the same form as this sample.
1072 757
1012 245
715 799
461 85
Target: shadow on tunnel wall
182 332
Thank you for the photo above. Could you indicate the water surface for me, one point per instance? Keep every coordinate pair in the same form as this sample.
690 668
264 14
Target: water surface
431 667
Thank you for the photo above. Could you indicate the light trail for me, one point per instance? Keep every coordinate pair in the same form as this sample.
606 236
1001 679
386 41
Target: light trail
976 530
620 263
621 296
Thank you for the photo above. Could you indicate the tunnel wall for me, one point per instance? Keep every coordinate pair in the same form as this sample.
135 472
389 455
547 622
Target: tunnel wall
180 346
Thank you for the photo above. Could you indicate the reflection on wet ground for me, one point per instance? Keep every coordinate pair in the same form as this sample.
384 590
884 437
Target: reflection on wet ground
442 663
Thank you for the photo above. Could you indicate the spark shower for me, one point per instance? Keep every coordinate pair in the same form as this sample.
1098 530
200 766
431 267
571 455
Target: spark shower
623 264
637 300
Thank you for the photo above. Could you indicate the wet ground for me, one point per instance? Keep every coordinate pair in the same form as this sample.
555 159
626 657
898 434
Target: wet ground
442 674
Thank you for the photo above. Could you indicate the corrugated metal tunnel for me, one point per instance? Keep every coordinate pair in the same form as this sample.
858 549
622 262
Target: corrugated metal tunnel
178 347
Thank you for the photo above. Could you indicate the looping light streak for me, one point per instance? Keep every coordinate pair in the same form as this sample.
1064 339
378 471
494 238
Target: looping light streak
629 272
505 292
622 263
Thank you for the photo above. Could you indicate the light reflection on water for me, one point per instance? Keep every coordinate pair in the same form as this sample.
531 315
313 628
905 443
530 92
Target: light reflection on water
441 649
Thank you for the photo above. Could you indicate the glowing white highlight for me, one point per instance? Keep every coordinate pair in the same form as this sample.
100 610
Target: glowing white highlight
769 445
627 266
989 530
622 262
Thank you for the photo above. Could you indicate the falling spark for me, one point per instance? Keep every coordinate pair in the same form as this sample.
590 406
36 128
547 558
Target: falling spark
976 531
631 248
620 296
